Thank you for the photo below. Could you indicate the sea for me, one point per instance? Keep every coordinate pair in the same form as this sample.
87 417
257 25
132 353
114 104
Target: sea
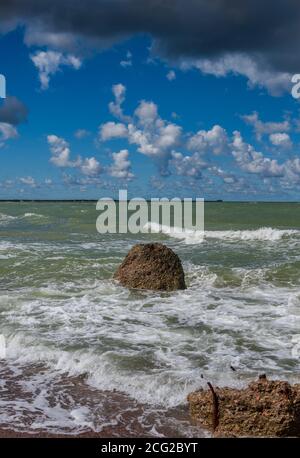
81 353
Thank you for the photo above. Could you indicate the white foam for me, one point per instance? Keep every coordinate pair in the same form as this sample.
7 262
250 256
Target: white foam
263 233
6 219
155 347
33 215
194 237
189 236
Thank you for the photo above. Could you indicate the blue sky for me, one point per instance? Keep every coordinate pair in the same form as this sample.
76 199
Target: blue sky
85 124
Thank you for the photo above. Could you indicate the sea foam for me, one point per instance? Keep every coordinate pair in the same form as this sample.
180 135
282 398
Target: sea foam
194 237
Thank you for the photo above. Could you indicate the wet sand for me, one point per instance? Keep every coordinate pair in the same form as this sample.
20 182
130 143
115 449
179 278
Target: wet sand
113 414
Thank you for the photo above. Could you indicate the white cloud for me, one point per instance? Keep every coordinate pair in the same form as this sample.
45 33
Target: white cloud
281 140
147 113
153 136
252 161
292 172
90 167
61 157
213 141
81 133
171 75
7 132
111 130
121 167
7 184
60 151
50 62
160 140
265 128
190 166
241 64
128 61
119 92
28 181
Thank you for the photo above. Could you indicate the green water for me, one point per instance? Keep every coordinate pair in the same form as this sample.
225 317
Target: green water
60 306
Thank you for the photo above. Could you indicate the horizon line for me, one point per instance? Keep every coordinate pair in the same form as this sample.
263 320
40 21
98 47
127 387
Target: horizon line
147 200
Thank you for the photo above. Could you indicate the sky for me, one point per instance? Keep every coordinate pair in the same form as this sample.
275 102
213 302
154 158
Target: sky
163 98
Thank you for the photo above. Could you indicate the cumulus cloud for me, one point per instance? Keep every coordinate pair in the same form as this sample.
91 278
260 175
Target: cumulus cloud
151 133
7 132
213 141
111 129
50 62
265 128
252 161
60 151
201 33
292 172
194 156
121 167
61 157
146 113
153 136
189 166
115 107
90 167
281 140
228 178
159 139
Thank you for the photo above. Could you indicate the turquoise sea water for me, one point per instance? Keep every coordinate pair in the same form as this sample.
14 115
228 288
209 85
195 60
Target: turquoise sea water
59 307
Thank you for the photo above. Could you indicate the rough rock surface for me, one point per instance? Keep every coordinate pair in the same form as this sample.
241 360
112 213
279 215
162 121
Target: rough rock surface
151 266
264 408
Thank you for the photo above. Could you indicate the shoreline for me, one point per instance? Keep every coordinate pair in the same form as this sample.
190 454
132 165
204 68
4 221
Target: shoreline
32 396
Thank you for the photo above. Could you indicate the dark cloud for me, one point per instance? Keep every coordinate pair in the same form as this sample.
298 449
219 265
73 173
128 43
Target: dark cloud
13 111
181 29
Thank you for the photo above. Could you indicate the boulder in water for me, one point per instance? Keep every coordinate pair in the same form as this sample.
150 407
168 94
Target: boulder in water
151 266
265 408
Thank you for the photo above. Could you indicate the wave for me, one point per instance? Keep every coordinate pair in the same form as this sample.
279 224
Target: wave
7 219
165 388
263 233
189 236
33 215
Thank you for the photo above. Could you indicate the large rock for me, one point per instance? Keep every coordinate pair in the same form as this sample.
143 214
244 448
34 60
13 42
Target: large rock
264 408
151 266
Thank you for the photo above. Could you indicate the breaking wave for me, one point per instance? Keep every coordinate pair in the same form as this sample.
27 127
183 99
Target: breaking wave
189 236
7 219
